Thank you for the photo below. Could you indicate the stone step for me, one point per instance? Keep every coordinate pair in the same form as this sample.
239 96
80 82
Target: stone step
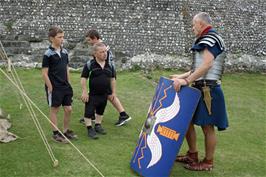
80 52
16 43
80 59
17 50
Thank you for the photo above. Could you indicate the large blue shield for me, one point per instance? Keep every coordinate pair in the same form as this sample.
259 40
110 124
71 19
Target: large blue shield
164 129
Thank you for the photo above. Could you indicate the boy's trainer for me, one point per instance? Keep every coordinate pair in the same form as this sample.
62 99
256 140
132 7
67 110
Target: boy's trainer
122 120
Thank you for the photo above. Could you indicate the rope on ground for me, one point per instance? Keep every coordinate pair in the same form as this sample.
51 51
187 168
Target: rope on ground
36 107
29 106
31 103
36 122
4 57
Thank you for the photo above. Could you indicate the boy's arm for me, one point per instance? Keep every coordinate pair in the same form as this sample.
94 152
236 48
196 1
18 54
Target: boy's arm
46 79
84 96
68 75
113 88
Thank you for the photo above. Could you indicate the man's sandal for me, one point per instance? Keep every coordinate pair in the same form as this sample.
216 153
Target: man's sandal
204 165
190 157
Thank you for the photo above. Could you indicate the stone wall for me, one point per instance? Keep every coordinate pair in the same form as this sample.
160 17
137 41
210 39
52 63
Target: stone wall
130 27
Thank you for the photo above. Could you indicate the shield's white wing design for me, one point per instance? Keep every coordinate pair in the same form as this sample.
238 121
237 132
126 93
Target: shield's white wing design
153 142
155 146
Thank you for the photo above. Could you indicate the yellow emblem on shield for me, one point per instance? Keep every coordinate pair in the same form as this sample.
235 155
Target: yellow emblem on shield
168 132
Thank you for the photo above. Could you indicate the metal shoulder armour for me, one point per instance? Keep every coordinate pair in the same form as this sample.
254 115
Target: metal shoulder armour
216 71
211 40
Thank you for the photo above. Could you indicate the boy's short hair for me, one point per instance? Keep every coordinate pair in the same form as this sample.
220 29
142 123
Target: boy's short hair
97 45
93 34
54 30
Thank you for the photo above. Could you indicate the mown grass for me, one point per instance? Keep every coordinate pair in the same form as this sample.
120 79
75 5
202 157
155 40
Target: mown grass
240 150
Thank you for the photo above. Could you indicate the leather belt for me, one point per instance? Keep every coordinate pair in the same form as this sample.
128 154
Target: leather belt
201 83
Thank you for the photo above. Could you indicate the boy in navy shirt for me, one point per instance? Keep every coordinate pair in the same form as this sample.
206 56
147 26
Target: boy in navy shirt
93 37
55 74
101 76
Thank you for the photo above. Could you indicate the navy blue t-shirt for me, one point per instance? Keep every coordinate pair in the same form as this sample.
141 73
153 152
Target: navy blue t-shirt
57 67
99 78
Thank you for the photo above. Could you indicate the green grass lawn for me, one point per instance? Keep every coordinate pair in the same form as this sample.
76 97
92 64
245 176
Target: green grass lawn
241 150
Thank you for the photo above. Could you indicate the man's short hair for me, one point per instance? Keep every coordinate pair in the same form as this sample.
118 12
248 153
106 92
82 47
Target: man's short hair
93 34
204 17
